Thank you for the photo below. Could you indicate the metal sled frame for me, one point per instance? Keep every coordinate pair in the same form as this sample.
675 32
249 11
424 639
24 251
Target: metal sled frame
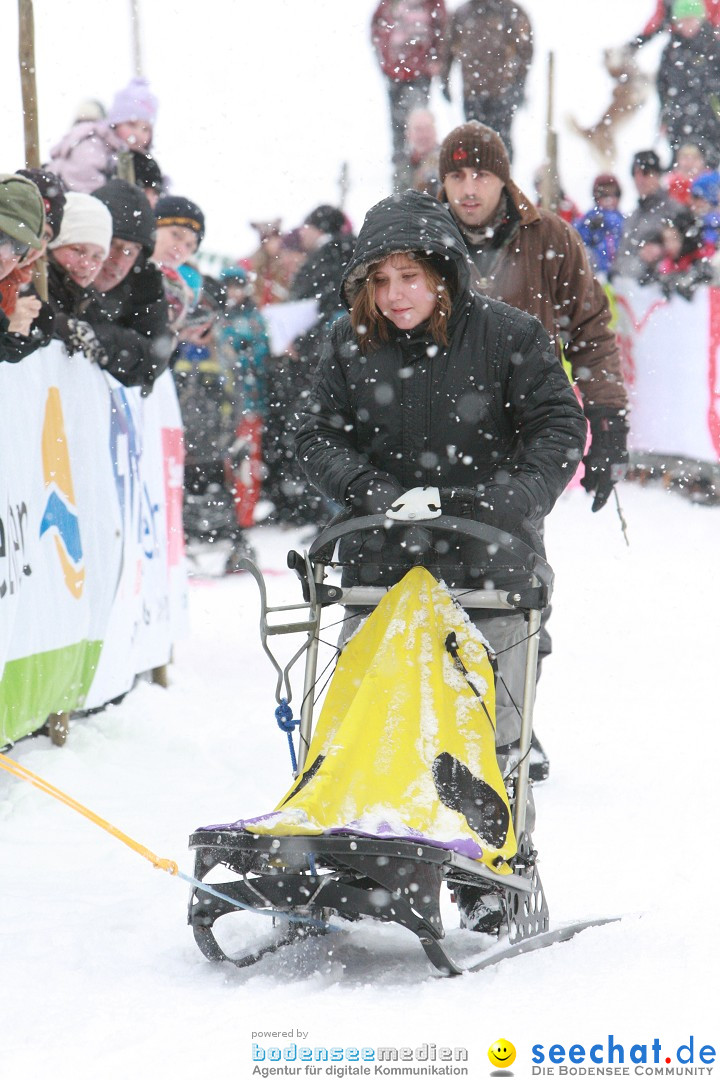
304 880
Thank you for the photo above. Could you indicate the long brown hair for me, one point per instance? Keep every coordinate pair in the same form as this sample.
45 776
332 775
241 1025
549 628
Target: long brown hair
372 327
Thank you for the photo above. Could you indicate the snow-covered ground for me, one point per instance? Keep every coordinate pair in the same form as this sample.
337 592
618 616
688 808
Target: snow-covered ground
260 105
101 977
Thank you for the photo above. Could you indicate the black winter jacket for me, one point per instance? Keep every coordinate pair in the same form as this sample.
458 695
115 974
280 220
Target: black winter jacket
495 406
687 82
319 278
65 300
131 323
15 347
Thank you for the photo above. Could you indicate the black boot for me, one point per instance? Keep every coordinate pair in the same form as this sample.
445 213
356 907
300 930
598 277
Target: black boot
539 761
481 910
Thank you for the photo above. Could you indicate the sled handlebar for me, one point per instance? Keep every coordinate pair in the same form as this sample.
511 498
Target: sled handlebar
345 524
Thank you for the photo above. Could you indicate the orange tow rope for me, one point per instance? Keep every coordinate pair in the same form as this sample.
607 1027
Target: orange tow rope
22 773
19 771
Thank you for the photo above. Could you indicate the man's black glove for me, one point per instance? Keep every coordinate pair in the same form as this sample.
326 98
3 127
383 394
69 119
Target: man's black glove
372 493
607 460
78 336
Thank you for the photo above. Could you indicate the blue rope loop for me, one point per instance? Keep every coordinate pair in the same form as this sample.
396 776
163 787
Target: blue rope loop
287 723
284 716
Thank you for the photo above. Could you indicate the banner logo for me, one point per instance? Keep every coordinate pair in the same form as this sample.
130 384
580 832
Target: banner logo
60 517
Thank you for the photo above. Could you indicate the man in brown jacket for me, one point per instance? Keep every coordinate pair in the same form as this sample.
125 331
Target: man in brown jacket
533 260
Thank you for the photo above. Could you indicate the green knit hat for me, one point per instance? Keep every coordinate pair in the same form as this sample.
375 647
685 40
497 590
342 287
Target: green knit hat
688 9
22 210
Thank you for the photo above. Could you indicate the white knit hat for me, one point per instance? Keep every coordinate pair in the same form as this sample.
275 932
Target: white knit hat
85 221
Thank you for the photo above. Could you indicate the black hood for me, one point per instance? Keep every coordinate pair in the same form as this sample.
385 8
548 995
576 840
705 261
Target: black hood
132 215
409 222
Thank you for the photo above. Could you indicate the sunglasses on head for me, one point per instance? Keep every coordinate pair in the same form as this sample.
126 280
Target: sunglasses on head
19 250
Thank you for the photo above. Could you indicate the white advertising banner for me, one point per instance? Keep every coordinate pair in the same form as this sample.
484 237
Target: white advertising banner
670 350
92 580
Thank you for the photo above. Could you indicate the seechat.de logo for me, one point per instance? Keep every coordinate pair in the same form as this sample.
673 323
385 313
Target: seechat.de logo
60 518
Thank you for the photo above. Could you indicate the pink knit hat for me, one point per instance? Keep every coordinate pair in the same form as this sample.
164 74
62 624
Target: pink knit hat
134 102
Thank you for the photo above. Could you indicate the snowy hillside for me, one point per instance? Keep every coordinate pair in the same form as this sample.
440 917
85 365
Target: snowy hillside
101 974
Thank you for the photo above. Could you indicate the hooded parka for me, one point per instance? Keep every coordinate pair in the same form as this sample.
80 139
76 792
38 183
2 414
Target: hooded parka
492 408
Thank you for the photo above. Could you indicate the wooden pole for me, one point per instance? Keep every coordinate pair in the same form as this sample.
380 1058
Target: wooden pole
27 83
136 37
343 184
550 184
26 51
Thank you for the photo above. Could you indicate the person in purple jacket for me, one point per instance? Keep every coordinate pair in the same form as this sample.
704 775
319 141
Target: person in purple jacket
88 156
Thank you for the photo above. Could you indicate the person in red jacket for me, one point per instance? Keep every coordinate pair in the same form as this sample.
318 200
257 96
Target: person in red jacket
661 19
407 36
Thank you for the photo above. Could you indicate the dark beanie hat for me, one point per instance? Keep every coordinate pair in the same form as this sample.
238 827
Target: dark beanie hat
646 161
606 184
474 146
52 190
132 216
176 210
148 173
328 219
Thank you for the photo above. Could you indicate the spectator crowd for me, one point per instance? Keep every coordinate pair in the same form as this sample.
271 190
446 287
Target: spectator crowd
120 249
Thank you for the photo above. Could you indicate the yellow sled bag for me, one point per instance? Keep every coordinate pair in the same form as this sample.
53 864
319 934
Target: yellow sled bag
404 747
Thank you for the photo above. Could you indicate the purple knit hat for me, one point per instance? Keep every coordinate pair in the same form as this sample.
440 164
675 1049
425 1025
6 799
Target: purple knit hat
134 102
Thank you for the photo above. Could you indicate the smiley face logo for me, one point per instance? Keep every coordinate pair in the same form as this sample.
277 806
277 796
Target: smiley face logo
502 1054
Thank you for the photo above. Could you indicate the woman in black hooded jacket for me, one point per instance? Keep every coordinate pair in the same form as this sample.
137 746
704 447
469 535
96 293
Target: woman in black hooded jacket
464 394
427 385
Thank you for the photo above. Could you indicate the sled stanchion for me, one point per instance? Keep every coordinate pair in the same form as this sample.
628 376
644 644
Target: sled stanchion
531 659
315 577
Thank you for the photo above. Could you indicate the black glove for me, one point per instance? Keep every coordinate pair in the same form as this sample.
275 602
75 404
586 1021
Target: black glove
607 460
504 506
372 493
79 336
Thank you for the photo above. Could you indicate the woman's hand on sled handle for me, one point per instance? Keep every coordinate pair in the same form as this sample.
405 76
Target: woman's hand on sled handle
372 493
417 504
502 505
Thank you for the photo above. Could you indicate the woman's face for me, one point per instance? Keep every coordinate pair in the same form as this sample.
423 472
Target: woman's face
81 261
136 133
402 292
174 244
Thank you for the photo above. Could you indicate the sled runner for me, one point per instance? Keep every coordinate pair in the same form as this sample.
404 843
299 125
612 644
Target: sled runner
397 787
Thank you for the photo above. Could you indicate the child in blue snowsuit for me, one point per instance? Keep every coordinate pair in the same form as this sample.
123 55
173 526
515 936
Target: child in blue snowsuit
705 203
602 226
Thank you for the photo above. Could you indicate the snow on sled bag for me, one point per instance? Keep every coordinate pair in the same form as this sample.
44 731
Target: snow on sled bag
404 748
